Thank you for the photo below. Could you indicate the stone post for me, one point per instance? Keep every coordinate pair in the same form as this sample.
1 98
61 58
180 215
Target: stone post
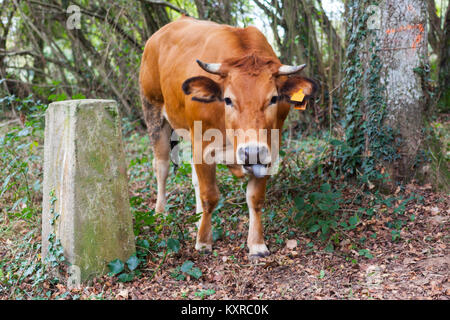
84 166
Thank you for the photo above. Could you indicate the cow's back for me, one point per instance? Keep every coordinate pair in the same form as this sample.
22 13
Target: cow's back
170 57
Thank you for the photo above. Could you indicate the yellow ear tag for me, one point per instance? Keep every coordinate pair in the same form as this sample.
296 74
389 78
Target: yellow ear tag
298 96
302 107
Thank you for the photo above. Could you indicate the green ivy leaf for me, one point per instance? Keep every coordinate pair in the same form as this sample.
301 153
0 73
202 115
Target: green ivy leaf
116 266
132 262
187 266
143 243
217 234
366 253
125 277
180 277
173 245
195 272
329 248
299 202
353 221
325 187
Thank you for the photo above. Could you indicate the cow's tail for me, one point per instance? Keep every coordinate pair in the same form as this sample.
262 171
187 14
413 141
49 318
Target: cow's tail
173 144
155 123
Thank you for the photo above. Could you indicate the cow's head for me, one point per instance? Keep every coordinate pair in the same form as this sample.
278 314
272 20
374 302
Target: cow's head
256 93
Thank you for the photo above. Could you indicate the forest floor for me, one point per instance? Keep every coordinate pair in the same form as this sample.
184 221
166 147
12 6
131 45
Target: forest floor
415 268
412 265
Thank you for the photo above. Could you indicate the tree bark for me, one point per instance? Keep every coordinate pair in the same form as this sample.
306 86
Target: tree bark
218 10
403 42
435 32
387 119
444 66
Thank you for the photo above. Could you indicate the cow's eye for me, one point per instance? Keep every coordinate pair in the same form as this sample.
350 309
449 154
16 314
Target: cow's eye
274 100
228 102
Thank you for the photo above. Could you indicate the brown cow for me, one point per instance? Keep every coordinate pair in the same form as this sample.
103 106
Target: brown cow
224 78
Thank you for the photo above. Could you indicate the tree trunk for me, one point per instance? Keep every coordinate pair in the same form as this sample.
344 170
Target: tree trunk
444 66
435 31
387 94
403 43
218 10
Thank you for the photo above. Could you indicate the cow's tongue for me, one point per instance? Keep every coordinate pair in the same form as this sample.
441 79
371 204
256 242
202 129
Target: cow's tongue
259 170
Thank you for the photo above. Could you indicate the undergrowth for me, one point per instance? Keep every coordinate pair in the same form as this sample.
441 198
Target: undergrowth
310 197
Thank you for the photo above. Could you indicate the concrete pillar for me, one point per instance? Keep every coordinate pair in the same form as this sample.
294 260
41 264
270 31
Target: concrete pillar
84 164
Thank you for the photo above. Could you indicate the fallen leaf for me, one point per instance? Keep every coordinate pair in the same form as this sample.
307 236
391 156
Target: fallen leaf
434 211
291 244
123 293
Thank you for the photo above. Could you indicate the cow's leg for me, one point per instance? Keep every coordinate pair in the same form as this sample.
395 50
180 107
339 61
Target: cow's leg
161 164
198 200
159 132
256 190
209 197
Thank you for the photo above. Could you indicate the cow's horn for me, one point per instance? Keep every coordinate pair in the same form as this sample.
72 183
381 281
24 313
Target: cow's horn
210 67
286 70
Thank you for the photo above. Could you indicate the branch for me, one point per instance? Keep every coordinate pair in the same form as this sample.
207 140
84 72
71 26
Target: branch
43 85
435 32
92 12
17 53
268 12
9 23
167 4
327 24
34 54
276 21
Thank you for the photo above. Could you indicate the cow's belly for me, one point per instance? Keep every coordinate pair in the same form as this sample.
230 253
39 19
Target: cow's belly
175 121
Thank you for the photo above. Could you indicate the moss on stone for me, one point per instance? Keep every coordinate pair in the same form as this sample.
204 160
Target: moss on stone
98 222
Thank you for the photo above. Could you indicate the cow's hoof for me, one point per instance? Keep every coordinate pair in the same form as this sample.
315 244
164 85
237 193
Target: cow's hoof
258 251
203 248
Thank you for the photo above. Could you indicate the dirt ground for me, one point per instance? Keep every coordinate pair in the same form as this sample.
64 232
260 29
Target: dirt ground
417 267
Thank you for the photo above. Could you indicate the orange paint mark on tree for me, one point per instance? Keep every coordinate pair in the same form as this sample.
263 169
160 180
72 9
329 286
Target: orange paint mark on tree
418 27
419 36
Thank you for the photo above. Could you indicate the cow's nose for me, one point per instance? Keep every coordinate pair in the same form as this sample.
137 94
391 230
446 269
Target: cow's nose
253 154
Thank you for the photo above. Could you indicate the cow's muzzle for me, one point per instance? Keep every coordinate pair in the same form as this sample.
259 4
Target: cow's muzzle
255 158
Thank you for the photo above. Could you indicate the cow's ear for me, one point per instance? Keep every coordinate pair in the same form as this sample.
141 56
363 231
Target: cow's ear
298 90
202 89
